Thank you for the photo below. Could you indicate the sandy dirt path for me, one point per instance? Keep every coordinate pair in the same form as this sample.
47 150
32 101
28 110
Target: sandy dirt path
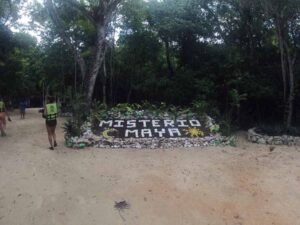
247 185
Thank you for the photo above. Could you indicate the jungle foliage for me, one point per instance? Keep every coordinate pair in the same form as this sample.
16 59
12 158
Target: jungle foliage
236 60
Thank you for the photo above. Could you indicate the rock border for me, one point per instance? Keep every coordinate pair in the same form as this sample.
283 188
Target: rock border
165 143
257 138
151 143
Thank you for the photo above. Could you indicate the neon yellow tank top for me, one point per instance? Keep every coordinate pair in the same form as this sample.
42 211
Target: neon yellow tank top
2 106
51 111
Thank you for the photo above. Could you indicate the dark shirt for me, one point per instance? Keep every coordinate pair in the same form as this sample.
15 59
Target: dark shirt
22 106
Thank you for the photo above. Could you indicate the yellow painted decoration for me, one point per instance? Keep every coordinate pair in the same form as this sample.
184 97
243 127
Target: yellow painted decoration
194 132
106 135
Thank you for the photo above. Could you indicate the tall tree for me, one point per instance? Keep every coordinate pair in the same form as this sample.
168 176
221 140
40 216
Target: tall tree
98 14
285 16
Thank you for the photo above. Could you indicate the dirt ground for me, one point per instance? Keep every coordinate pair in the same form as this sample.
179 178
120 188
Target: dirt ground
246 185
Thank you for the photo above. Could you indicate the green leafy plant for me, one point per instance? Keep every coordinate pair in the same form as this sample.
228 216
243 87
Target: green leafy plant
200 107
147 105
188 112
236 98
214 128
71 129
174 110
79 108
79 115
226 128
100 111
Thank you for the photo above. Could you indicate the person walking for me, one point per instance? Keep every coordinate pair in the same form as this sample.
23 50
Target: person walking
50 114
3 114
22 107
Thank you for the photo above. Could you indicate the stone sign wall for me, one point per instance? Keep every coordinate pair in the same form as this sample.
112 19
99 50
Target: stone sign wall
151 128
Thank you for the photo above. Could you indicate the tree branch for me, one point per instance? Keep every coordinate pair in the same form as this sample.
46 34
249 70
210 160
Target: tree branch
66 38
10 11
81 9
112 6
105 9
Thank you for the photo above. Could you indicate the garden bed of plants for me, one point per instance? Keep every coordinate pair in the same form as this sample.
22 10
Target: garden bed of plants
79 134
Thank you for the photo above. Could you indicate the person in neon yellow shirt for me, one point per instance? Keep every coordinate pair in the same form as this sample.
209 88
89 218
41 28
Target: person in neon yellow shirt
50 114
3 114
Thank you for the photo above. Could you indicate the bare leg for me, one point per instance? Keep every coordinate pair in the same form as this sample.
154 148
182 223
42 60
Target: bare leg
49 136
2 124
54 136
1 128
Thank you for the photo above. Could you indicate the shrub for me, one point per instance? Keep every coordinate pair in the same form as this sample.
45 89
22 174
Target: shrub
79 115
71 129
277 130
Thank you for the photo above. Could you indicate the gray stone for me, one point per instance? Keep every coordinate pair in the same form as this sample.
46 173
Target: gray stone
261 141
253 139
270 140
138 145
278 141
297 141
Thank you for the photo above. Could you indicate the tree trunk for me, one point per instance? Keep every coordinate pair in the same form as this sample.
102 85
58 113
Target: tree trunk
287 71
129 94
170 67
91 78
104 97
111 74
290 102
282 58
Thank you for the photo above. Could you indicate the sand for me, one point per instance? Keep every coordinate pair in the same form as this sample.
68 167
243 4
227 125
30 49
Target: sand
246 185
